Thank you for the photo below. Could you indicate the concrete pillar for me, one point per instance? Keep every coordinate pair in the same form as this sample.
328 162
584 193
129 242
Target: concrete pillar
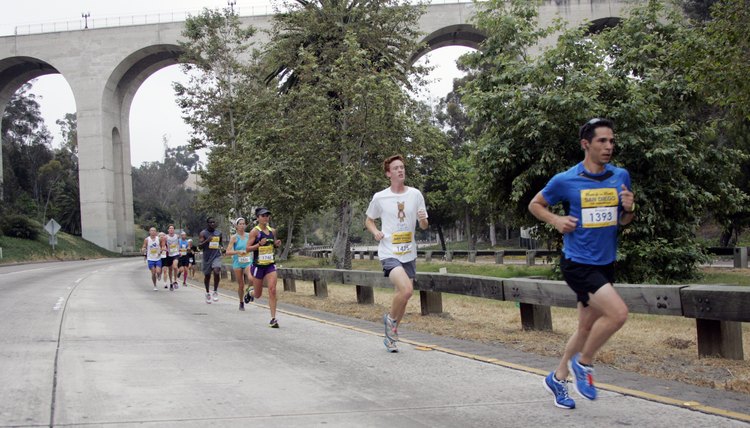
472 256
530 258
449 256
428 256
740 257
499 257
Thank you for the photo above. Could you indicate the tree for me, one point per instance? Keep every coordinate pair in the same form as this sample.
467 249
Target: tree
341 68
633 74
216 56
718 59
160 196
26 142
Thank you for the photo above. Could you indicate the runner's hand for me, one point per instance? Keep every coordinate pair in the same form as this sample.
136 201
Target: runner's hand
565 224
626 198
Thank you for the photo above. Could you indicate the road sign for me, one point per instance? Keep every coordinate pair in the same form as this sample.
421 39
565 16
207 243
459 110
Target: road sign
52 227
53 241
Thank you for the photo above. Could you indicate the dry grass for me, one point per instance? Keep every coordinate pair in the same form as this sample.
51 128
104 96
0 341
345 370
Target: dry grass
657 346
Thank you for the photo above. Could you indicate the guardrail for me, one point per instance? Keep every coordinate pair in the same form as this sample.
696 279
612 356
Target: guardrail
739 254
530 256
718 310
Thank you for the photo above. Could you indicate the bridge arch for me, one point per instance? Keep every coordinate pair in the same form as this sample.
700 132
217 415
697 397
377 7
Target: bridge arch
15 71
105 67
119 91
452 35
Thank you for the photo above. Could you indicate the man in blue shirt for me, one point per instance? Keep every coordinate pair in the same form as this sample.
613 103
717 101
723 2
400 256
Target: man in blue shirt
596 198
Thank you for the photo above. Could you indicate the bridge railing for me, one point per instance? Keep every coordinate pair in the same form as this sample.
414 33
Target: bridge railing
719 310
149 18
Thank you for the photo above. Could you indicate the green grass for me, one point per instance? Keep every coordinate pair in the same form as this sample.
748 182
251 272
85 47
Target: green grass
728 278
68 247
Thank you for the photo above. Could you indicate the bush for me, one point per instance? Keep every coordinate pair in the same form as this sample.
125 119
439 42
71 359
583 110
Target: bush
20 227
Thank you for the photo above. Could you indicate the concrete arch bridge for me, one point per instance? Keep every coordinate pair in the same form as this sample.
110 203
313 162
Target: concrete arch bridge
105 67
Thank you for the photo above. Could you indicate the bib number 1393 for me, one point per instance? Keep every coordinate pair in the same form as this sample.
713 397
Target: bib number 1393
599 207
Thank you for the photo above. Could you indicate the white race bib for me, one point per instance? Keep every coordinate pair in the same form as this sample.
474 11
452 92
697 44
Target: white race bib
245 259
214 244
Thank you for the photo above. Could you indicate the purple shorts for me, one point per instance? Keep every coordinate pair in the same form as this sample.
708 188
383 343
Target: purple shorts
261 271
154 263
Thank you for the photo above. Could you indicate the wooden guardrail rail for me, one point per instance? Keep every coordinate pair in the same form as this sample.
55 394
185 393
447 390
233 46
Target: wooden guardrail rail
738 254
499 255
718 310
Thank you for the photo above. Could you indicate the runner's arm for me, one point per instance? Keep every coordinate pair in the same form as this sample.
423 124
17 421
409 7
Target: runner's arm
540 209
230 246
373 228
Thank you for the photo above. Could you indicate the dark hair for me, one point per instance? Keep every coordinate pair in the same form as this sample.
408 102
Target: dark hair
387 162
587 131
209 219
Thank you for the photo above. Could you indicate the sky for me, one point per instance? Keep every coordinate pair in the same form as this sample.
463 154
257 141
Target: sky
154 113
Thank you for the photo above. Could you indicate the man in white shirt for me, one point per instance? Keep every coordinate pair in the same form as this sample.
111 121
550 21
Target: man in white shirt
399 208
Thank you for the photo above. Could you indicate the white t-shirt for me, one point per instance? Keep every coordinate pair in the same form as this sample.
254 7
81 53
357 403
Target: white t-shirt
398 215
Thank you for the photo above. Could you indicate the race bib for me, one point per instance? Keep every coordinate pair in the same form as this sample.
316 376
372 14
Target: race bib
265 254
599 207
183 251
245 259
153 251
172 248
401 243
214 244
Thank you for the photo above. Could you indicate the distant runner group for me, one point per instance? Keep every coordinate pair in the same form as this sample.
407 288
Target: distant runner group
253 256
596 198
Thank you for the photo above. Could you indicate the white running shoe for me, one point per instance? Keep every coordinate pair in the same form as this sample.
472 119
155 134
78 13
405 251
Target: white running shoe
208 298
156 288
390 345
215 296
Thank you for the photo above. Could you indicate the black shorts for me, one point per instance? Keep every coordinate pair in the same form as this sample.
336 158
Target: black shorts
167 261
585 279
183 261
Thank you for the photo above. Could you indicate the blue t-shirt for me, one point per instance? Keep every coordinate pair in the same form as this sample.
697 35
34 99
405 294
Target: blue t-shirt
594 199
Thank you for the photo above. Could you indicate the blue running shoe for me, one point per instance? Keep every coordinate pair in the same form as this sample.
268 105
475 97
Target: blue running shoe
584 378
559 388
390 345
391 329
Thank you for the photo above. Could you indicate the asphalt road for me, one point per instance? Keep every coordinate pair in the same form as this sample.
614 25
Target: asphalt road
90 343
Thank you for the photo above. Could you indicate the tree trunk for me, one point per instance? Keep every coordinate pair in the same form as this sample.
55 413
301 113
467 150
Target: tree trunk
493 238
288 245
342 255
471 242
441 237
